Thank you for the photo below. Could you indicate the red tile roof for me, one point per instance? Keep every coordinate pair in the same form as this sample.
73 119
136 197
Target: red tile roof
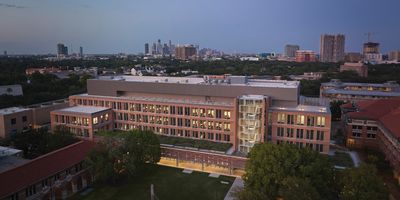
386 111
42 167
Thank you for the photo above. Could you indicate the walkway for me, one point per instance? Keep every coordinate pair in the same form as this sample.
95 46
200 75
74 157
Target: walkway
237 184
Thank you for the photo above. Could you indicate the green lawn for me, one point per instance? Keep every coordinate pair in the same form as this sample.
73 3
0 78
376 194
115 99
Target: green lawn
341 159
169 184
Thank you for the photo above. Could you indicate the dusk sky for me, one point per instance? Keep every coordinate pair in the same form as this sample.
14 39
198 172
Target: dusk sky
252 26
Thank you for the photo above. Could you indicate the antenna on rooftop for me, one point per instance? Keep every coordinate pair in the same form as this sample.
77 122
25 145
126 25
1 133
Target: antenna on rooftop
369 34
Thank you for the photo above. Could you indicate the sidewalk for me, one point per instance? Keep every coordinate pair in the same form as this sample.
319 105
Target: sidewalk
238 183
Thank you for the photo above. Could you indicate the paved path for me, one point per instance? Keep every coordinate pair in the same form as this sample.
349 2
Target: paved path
238 183
356 159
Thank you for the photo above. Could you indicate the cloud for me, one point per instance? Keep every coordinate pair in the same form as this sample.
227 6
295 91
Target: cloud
11 6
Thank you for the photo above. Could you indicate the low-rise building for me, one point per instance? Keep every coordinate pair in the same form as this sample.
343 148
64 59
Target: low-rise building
13 90
374 124
56 175
222 109
359 68
335 90
305 56
394 56
19 119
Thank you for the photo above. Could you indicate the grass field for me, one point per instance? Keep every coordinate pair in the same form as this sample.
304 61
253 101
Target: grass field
169 184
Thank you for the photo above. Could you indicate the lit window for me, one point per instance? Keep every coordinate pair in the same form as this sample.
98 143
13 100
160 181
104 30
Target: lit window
95 120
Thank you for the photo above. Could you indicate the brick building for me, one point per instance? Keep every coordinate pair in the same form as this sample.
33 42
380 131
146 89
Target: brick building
56 175
374 124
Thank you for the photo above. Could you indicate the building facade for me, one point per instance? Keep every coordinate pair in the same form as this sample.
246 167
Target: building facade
20 119
305 56
185 52
223 109
56 175
371 52
373 124
335 90
290 50
394 56
359 68
332 48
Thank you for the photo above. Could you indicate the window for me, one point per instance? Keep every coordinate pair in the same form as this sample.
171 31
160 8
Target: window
280 131
219 114
299 133
95 120
300 120
187 111
356 127
281 118
227 114
289 132
290 119
319 147
13 121
320 135
371 135
310 121
31 190
310 134
309 145
180 110
321 121
172 109
227 126
356 134
24 119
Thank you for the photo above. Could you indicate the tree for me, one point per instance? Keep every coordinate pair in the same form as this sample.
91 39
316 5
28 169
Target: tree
271 168
362 183
295 188
336 110
123 155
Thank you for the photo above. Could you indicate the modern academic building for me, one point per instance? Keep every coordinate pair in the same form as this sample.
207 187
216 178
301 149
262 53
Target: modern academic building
222 109
374 124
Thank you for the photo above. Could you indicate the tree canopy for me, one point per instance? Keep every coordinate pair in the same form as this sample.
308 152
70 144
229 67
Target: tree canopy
274 171
123 155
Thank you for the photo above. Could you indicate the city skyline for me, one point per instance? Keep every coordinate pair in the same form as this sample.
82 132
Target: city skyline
243 27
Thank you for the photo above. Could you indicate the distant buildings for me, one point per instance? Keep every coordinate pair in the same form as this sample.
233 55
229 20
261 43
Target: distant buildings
62 50
371 52
13 90
185 52
305 56
308 76
290 50
353 57
374 124
81 52
394 56
56 175
332 48
5 53
336 90
146 49
360 68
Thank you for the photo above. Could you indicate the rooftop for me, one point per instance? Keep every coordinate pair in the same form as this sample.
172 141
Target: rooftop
165 100
362 92
207 80
304 108
336 83
44 166
7 111
83 109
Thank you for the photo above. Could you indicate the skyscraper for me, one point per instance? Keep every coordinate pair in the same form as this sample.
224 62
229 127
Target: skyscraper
146 48
159 47
154 49
332 48
81 52
290 50
185 52
5 53
62 50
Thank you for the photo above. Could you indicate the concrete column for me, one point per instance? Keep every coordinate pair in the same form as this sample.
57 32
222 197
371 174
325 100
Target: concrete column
74 187
84 183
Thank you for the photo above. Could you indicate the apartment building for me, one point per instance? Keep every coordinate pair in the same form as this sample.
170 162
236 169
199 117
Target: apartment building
336 90
373 124
223 109
56 175
19 119
305 56
359 68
